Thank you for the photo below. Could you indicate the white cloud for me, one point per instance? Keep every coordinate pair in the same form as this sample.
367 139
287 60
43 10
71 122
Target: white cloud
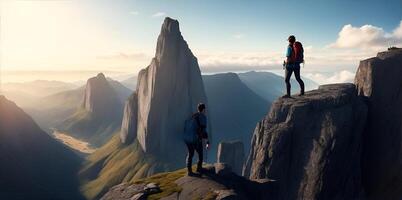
159 14
219 61
238 36
134 13
398 31
343 76
367 37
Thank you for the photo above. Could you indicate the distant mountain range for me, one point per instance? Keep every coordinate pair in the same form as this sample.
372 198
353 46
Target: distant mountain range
233 107
27 93
33 165
61 105
271 86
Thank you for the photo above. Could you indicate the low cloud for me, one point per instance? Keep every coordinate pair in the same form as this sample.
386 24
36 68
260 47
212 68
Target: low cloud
368 37
159 14
343 76
228 61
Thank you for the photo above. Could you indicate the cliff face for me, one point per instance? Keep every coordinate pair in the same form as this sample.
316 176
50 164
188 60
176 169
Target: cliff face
311 145
169 90
379 79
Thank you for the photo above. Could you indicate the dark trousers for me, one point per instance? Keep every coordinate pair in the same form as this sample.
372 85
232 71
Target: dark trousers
191 147
288 74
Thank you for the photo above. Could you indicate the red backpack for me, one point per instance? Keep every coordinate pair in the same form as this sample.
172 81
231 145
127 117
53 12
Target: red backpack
297 52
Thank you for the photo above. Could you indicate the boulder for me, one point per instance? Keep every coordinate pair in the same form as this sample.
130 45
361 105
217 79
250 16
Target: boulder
231 153
222 169
311 145
379 80
125 191
226 195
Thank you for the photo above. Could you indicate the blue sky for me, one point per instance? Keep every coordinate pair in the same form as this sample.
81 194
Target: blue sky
226 35
264 24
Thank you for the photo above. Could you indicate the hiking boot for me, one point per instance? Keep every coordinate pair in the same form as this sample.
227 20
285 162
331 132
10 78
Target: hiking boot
286 96
200 170
190 173
301 94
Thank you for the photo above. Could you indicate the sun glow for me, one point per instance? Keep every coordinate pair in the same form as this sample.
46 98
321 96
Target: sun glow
53 35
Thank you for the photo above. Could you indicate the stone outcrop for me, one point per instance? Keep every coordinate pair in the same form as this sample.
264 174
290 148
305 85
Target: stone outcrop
100 98
231 153
131 192
379 79
176 185
168 91
311 145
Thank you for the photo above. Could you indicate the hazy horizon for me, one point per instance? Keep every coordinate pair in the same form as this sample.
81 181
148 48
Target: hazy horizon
120 37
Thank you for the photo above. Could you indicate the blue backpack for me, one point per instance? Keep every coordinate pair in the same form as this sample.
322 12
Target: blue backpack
190 130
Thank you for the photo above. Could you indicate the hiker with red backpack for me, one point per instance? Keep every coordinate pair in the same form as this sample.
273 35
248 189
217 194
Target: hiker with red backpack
194 134
294 57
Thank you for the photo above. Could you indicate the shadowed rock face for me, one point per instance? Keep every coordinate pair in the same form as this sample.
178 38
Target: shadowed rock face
168 92
100 98
231 153
33 165
311 145
128 130
379 79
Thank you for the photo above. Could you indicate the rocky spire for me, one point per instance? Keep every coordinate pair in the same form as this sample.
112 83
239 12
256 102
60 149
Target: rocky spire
168 91
100 97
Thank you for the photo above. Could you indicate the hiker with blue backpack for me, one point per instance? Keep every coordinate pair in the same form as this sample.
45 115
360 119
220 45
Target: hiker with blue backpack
194 134
294 57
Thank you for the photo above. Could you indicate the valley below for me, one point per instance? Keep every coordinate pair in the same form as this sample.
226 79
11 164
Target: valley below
74 143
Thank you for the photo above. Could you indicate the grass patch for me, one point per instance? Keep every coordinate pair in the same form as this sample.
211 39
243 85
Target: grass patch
115 163
165 181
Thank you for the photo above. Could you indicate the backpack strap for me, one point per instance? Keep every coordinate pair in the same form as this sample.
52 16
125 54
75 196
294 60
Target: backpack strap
197 119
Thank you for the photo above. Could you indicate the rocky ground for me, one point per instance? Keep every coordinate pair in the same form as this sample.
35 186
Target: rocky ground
218 182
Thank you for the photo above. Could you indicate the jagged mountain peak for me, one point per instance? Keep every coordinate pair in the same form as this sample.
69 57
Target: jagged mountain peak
171 45
170 26
101 76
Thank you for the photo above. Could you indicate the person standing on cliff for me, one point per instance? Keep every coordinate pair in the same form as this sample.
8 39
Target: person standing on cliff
194 134
294 57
